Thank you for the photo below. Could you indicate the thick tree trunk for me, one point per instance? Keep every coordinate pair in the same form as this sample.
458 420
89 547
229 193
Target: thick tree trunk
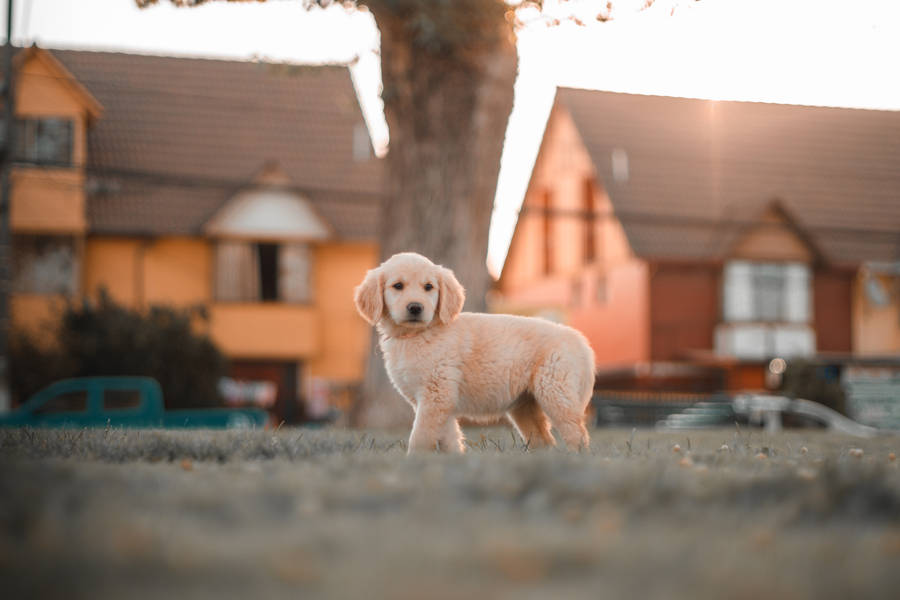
447 102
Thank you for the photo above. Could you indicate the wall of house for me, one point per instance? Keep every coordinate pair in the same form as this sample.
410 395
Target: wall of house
139 272
265 331
345 336
613 314
36 314
178 271
562 169
605 296
832 302
686 299
49 199
773 239
44 200
684 308
876 329
111 263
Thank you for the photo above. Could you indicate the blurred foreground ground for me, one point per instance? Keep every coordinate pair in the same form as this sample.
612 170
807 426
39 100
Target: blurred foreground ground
330 513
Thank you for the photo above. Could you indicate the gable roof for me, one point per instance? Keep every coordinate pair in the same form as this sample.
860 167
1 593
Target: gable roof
179 136
698 171
92 106
268 209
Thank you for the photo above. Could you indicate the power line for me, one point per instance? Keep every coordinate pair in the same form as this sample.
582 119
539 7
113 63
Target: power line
136 182
135 178
648 218
228 99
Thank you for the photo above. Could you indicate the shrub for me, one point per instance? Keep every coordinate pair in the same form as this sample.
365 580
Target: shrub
104 338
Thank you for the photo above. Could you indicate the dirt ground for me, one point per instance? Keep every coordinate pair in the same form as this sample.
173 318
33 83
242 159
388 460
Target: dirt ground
345 514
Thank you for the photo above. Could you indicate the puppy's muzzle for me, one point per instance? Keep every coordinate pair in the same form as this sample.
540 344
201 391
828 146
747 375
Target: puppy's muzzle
414 309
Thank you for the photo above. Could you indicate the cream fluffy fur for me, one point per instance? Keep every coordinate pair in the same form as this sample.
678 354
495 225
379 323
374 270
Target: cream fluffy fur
448 364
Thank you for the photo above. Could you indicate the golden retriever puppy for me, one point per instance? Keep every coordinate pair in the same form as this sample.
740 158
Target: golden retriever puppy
448 364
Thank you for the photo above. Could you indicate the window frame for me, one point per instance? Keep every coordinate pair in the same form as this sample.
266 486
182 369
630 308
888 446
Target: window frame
757 271
33 253
27 146
264 285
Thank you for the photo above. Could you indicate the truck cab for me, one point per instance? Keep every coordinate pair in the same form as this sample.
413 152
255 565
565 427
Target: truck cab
119 402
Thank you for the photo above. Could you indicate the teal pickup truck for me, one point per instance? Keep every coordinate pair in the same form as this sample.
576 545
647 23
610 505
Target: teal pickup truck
120 402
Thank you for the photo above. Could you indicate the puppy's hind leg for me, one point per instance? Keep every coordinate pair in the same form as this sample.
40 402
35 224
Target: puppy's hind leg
531 422
570 426
564 397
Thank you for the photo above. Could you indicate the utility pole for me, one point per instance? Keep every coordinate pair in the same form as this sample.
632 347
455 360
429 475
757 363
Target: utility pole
9 117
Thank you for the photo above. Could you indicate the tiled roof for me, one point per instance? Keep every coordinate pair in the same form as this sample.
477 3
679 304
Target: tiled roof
699 170
178 136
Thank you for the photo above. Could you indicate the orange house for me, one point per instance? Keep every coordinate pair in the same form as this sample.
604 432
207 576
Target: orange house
248 188
716 233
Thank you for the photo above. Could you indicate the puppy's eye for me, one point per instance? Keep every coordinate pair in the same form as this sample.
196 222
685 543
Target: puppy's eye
428 287
398 286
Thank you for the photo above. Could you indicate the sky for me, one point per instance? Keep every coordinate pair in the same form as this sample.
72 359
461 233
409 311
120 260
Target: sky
820 52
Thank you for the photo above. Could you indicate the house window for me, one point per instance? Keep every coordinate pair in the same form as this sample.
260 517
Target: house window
45 264
263 272
44 141
766 311
268 272
590 241
766 292
547 225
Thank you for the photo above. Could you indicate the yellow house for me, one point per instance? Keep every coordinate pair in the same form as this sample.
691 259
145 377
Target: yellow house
248 188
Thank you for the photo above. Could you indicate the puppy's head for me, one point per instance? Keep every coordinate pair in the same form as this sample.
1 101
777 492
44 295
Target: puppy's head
410 292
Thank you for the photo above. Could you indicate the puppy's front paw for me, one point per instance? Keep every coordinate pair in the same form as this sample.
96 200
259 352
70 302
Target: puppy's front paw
419 446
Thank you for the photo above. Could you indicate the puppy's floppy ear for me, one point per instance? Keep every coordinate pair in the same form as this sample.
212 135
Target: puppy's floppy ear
451 296
369 296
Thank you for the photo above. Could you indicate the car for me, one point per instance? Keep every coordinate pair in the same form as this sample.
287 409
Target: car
120 402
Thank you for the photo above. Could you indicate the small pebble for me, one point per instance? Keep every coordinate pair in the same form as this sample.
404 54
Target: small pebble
187 464
676 448
762 538
892 457
855 452
803 449
807 474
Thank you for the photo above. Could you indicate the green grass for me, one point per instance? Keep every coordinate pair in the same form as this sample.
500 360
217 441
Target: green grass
335 513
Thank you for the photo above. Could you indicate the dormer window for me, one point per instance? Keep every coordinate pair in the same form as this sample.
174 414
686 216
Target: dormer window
766 310
766 292
44 141
263 272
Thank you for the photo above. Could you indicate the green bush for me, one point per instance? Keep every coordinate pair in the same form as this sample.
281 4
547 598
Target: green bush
104 338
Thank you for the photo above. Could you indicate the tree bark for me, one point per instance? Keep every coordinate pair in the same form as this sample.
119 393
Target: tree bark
447 95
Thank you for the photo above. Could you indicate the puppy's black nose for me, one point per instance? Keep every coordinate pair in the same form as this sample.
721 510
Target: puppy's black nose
414 308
